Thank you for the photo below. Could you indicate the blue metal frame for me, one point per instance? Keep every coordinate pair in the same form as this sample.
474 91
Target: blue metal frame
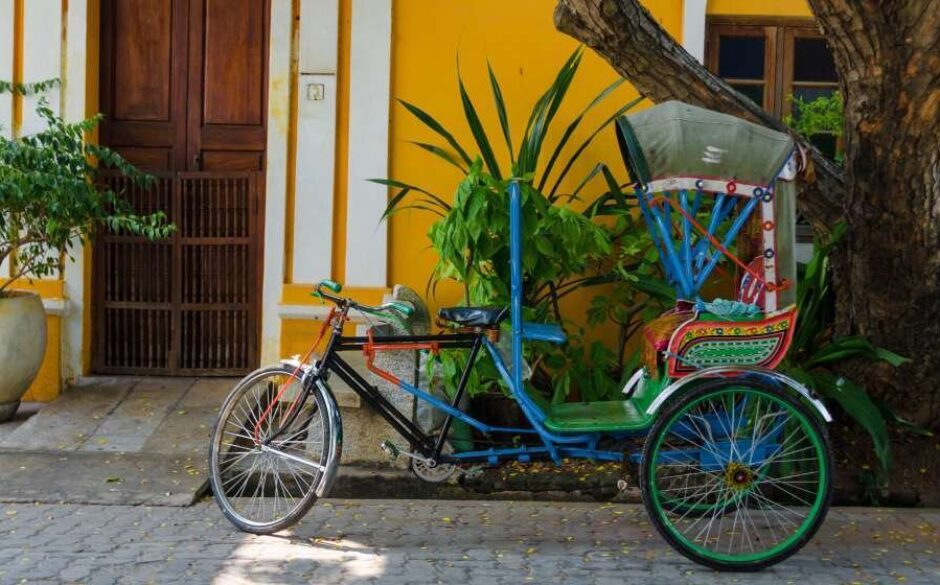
682 265
689 266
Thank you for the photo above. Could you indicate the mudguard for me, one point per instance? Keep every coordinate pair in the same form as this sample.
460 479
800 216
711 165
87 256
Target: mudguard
730 371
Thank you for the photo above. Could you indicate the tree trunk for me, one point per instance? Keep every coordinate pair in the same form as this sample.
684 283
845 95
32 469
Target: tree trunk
888 58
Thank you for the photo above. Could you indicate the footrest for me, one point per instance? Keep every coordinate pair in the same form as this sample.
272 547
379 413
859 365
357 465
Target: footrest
611 416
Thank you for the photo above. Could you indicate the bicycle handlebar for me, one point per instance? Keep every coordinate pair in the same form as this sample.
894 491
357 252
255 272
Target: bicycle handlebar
404 309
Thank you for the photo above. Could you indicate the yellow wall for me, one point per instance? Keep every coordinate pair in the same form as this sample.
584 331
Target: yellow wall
520 41
760 8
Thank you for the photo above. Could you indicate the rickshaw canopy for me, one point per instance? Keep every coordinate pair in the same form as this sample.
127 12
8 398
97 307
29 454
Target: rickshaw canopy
679 146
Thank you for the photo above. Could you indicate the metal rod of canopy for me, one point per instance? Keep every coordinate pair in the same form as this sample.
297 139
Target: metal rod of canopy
515 279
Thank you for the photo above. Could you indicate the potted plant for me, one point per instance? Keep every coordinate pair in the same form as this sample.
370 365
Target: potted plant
50 203
573 240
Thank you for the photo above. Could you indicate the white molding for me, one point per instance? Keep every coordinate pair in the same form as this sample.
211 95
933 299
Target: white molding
369 93
279 61
74 81
319 36
55 307
42 56
314 174
6 74
315 166
693 27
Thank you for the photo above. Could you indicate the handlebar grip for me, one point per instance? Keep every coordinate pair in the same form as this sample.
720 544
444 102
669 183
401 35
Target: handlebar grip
406 310
332 285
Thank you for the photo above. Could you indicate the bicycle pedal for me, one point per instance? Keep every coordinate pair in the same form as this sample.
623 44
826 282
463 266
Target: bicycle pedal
390 449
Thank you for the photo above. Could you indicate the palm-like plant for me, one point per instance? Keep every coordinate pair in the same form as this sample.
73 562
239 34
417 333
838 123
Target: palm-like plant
566 249
524 161
815 351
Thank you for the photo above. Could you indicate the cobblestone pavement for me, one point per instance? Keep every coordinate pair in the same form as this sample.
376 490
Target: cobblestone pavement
417 542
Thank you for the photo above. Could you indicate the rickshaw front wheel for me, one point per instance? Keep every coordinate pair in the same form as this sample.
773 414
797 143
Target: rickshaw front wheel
736 474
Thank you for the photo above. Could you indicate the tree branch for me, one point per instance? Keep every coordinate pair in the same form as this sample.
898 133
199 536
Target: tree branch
624 33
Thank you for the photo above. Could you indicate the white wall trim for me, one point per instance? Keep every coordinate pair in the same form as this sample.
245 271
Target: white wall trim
276 177
56 307
693 27
369 94
6 74
42 57
73 110
314 172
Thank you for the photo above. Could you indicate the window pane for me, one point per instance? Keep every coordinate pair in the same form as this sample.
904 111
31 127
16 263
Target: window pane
755 92
741 57
812 61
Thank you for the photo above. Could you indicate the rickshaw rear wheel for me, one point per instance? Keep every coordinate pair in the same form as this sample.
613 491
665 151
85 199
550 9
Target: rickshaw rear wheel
736 475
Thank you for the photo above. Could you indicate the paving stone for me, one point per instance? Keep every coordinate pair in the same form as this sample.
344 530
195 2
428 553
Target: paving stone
357 542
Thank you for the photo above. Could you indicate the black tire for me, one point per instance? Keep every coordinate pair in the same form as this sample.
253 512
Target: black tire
230 484
671 413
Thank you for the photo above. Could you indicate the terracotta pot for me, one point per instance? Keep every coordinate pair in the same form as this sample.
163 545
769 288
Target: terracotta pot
22 347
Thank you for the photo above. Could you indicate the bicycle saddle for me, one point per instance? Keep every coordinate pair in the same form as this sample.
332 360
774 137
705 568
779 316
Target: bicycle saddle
474 316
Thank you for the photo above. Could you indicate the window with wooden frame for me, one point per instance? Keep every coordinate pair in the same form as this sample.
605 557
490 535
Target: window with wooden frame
774 61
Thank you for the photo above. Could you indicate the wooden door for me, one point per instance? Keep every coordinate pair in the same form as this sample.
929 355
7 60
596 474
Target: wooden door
184 93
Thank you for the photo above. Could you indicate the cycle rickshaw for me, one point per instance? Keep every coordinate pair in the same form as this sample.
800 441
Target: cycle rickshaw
733 457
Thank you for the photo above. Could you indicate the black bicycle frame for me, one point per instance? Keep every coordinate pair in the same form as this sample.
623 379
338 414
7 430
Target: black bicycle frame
332 362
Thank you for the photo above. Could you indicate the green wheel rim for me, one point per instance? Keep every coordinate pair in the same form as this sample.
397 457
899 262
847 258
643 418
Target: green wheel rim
802 445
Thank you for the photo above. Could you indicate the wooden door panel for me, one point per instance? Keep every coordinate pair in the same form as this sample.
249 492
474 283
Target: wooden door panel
227 79
233 62
143 75
143 47
153 159
225 160
186 305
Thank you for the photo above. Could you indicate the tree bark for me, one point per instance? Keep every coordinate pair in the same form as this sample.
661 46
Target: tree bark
888 58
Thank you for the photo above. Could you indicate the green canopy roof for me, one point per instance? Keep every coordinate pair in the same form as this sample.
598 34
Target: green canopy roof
675 145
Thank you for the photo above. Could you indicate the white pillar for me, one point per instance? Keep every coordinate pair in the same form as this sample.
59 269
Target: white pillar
42 57
73 110
693 28
316 141
276 177
369 93
6 70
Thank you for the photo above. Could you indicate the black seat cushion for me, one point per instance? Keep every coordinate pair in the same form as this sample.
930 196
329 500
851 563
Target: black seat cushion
474 316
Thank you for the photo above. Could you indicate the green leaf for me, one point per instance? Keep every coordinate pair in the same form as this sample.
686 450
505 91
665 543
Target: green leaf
577 154
544 112
436 126
401 185
891 416
854 346
441 153
855 402
501 110
479 133
574 126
